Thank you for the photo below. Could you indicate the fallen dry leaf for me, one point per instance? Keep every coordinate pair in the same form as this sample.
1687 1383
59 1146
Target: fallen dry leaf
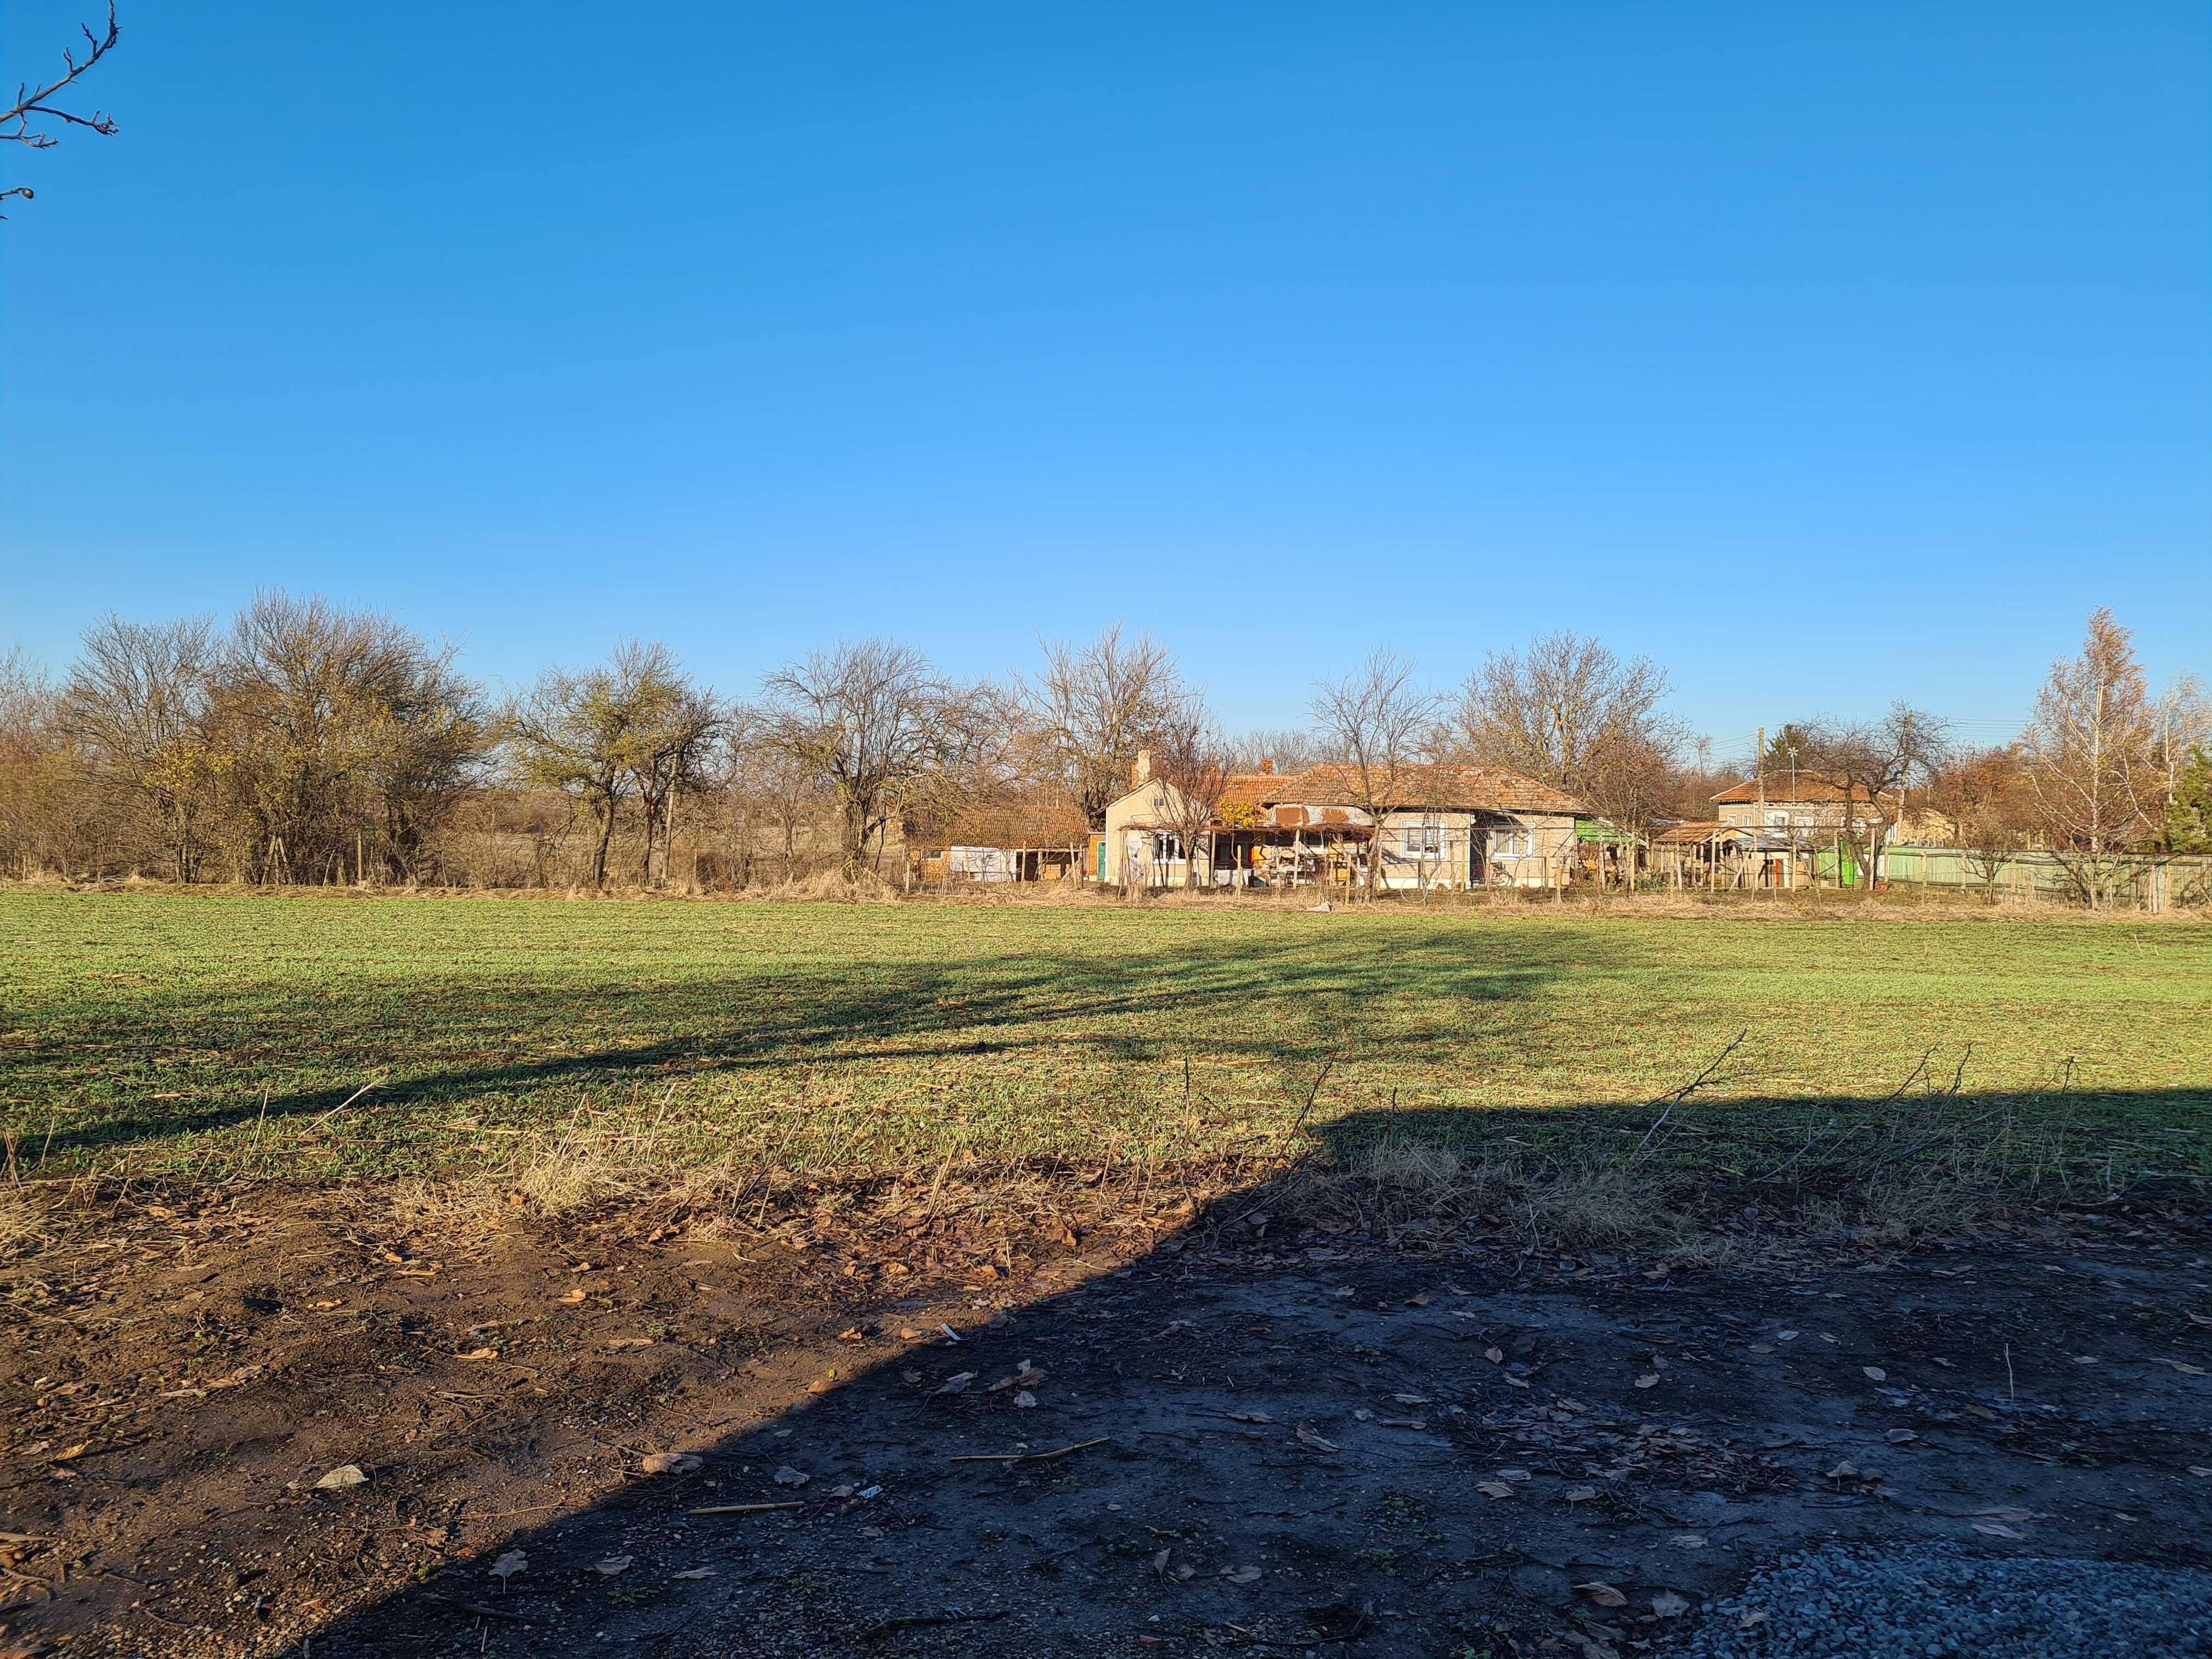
1750 1620
852 1334
346 1474
1420 1300
1875 1373
2199 1469
614 1567
788 1476
1649 1380
694 1572
1581 1494
956 1383
1995 1531
1307 1436
478 1354
1411 1399
1025 1400
1240 1575
1600 1594
69 1453
1017 1379
1843 1471
669 1462
618 1343
1249 1417
1513 1382
570 1298
508 1565
1160 1563
1495 1356
1900 1436
1667 1605
1493 1489
1688 1540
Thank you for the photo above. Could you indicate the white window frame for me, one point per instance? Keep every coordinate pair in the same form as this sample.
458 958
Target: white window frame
1421 841
1512 845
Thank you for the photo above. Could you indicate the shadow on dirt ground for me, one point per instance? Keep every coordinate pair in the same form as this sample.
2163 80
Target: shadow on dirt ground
281 1422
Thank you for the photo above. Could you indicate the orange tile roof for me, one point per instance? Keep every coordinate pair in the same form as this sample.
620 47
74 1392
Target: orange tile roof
1451 788
1811 789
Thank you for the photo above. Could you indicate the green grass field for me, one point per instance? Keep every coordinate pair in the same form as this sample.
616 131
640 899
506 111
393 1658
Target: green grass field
144 1032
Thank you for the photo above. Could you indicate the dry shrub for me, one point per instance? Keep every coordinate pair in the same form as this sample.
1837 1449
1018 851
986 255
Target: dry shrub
21 1219
462 1211
832 886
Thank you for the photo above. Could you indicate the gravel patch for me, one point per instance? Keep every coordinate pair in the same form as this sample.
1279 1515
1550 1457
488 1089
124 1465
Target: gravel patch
1939 1602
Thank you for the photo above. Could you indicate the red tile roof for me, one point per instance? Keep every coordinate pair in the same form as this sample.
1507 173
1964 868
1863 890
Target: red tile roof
1447 789
1811 789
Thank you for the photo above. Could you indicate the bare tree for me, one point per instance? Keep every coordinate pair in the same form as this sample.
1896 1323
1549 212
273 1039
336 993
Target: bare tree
874 721
1287 749
1874 764
1571 713
1384 726
2093 758
137 701
24 123
1094 706
593 735
668 749
1984 793
1192 761
38 778
340 731
769 783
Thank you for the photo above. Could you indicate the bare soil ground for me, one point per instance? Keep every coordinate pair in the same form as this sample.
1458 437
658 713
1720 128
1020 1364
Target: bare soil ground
1235 1438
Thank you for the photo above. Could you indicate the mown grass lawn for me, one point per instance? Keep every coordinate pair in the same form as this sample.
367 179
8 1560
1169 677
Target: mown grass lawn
144 1032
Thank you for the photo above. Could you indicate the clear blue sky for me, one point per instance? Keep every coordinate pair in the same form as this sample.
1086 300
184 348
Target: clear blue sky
1826 354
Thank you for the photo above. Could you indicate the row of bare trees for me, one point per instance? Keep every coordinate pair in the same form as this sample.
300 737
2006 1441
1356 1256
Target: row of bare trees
306 743
311 742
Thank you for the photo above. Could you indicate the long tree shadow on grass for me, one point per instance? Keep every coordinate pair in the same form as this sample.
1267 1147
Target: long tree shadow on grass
800 1019
1367 1418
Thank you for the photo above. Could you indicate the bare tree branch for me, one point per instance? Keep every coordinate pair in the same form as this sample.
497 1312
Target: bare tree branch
32 105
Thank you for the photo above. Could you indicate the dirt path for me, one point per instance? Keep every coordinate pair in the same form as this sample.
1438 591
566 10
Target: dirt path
1305 1446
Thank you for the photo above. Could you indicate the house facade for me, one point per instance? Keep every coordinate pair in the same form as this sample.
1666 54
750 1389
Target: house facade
1452 827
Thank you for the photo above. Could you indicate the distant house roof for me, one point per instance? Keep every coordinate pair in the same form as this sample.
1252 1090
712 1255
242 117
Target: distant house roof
1476 788
1810 789
1448 788
1678 834
1009 822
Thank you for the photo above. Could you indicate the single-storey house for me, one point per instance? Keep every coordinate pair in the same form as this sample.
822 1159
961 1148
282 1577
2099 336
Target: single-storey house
1802 802
1456 827
1007 839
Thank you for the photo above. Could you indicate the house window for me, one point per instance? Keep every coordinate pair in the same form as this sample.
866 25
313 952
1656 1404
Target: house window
1167 849
1422 840
1511 843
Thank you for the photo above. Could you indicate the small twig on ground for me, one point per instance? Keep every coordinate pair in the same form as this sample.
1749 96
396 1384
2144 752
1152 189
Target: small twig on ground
1026 1457
1312 1095
372 1082
480 1611
1704 1077
745 1509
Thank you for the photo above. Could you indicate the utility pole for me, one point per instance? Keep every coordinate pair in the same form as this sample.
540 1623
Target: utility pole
1758 835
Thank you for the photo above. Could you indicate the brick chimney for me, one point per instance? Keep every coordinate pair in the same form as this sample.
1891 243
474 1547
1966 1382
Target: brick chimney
1141 773
1268 765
